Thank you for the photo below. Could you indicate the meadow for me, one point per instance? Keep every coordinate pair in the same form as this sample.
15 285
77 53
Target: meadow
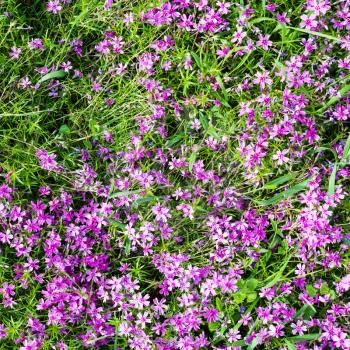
174 174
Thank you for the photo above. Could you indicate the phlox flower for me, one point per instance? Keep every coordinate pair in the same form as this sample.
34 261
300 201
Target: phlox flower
54 6
262 79
161 212
309 22
15 52
280 156
264 41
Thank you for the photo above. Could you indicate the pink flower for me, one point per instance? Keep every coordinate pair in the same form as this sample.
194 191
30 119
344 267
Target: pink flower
223 7
233 335
108 4
223 52
262 79
142 319
25 83
298 328
15 52
54 6
238 35
264 42
162 213
186 209
280 156
3 331
66 66
309 22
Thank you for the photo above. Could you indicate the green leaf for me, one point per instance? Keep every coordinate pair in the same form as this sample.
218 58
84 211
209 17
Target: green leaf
198 60
253 344
240 283
94 127
235 49
332 294
204 121
346 240
213 326
305 337
239 297
322 149
239 343
262 19
324 289
143 200
251 297
290 345
306 311
278 275
252 284
212 132
311 290
175 139
123 193
117 224
192 159
64 129
284 195
346 150
274 183
222 86
53 75
219 304
312 32
335 99
331 184
127 246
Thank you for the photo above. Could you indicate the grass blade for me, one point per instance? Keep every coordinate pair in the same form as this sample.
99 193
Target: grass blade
346 150
290 345
274 183
53 75
285 194
306 337
312 32
331 184
335 99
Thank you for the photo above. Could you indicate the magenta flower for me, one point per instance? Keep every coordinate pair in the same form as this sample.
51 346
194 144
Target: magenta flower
161 212
15 53
280 157
54 6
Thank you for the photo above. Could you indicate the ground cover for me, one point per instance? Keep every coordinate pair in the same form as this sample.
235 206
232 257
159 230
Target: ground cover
174 175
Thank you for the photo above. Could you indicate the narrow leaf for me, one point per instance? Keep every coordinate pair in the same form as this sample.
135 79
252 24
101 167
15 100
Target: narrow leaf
253 344
123 193
274 183
305 337
53 75
175 139
331 185
239 343
285 194
290 345
306 311
322 149
346 150
204 121
143 200
312 32
192 159
335 99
